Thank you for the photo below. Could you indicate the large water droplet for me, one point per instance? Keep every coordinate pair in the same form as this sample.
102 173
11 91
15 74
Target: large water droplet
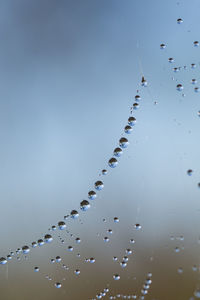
98 185
3 261
61 225
84 205
123 142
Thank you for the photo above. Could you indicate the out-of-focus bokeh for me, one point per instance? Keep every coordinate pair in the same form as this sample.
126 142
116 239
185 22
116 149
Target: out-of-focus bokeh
69 73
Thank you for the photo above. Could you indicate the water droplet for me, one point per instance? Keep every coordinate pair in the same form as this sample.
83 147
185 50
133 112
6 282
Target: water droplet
179 87
34 244
123 264
193 66
104 172
77 272
74 214
123 142
180 270
128 129
70 248
135 105
92 195
138 226
116 277
58 285
125 258
116 220
143 82
40 242
106 239
128 251
176 69
78 240
25 249
196 43
112 162
131 121
179 21
189 172
36 269
137 98
117 152
98 185
9 257
170 60
58 259
132 241
52 260
162 46
196 89
177 249
53 227
48 238
115 258
3 261
193 81
84 205
110 231
61 225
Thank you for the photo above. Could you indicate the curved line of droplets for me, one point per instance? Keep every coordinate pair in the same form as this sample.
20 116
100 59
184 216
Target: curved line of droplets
85 204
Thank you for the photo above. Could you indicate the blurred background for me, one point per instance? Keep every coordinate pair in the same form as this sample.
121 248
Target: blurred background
69 73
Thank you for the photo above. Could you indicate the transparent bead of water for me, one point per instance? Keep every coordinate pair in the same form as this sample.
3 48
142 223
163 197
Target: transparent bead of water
131 121
125 258
53 227
85 205
129 251
128 129
78 240
138 226
9 257
48 238
34 244
162 46
115 258
36 269
58 259
123 264
92 195
77 272
170 59
40 242
25 249
116 277
135 105
189 172
137 98
179 87
179 21
110 231
123 142
117 152
98 185
3 261
58 285
116 220
74 214
61 225
196 89
196 43
193 66
106 239
113 162
132 241
104 172
193 81
70 248
92 260
52 261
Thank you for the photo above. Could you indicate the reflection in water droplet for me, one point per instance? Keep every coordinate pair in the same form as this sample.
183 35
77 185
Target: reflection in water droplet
123 142
116 277
104 172
61 225
25 249
128 129
84 205
131 121
117 152
92 195
179 87
98 185
74 214
3 261
179 20
58 285
48 238
112 162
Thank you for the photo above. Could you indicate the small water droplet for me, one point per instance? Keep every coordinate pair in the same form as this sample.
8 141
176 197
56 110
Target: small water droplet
61 225
113 162
74 214
98 185
116 277
58 285
84 205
